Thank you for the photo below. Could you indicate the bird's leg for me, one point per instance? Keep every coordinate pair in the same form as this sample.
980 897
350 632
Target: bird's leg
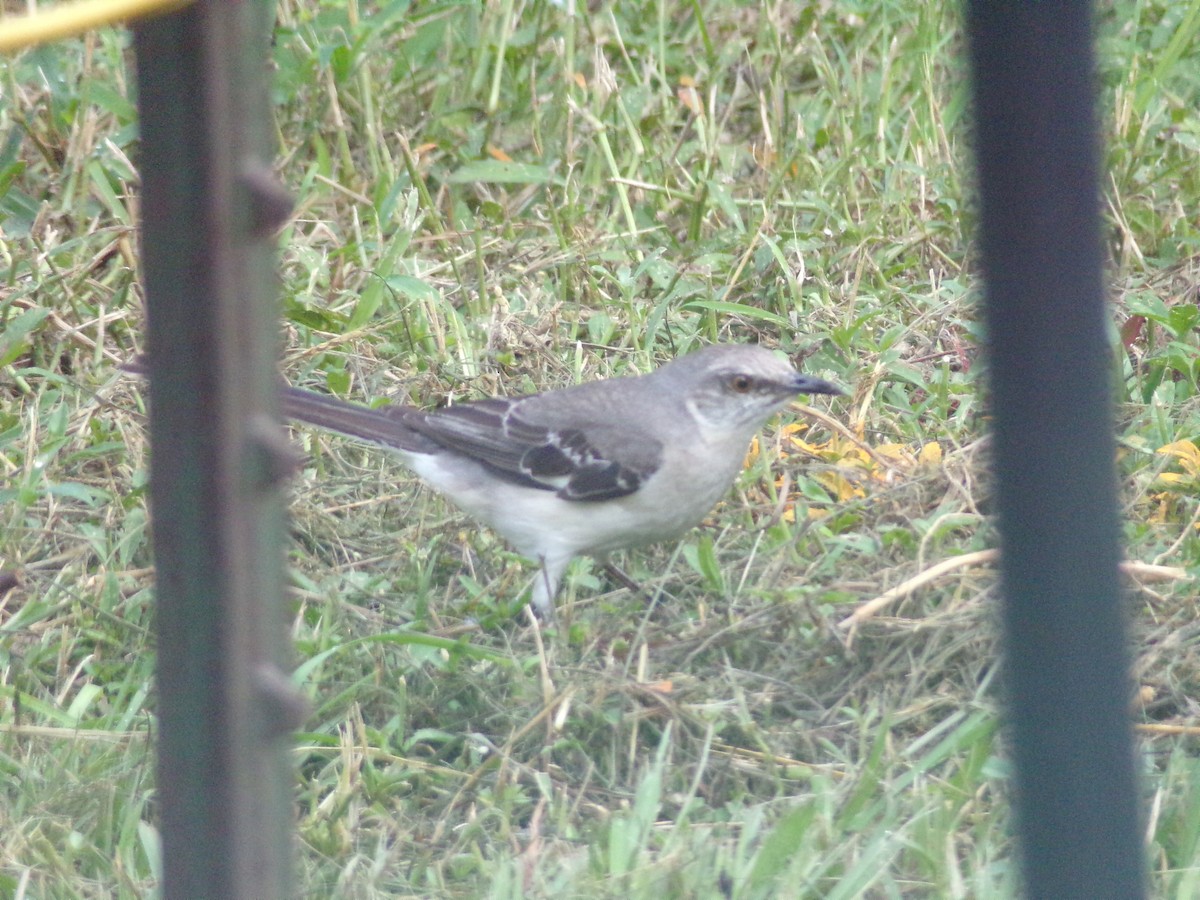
617 574
545 586
650 598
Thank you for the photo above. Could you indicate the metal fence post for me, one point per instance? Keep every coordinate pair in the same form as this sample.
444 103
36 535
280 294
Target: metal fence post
1037 150
208 213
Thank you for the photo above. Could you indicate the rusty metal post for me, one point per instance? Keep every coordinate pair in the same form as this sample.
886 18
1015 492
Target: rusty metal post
208 213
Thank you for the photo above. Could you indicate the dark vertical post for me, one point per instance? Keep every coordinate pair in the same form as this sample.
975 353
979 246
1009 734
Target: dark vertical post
1037 150
208 208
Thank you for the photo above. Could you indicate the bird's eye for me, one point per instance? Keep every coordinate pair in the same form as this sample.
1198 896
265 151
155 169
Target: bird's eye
741 383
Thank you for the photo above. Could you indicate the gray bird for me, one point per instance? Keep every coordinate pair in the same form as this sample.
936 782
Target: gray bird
588 469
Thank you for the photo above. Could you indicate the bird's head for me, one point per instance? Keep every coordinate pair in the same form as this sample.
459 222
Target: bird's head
739 386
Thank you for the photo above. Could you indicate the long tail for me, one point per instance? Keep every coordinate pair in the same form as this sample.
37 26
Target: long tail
384 426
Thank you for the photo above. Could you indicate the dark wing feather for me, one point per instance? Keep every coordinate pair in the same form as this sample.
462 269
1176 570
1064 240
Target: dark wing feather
578 463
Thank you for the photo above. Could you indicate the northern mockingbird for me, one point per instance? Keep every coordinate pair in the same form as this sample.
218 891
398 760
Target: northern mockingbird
586 469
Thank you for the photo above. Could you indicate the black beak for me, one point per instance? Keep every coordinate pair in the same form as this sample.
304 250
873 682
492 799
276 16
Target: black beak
806 384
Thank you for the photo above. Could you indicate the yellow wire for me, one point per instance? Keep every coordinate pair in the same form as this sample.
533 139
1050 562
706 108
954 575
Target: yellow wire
75 18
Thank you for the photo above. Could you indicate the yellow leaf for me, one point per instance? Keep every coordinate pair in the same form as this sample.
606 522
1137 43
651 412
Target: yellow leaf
805 446
1187 454
931 454
840 487
752 453
896 453
1161 512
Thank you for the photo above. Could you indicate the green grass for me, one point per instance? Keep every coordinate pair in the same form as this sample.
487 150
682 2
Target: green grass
501 198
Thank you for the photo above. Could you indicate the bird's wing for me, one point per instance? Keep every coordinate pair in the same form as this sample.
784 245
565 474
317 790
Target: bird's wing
578 461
